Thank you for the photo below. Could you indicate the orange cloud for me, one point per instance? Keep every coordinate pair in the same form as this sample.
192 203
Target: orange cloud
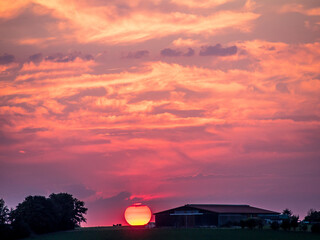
10 9
175 115
200 3
174 87
299 8
78 63
42 42
90 23
181 42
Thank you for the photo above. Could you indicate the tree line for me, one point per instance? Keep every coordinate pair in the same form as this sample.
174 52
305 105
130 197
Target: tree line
39 214
288 222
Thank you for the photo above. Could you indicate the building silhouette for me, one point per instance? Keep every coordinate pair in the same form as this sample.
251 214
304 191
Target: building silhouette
206 215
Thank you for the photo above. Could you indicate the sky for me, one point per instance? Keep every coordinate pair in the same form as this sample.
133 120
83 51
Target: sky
162 102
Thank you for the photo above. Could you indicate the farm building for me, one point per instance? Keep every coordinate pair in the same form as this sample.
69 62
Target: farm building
204 215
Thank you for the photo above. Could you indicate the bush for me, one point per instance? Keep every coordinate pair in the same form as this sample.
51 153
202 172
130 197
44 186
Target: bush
286 225
251 223
243 224
303 227
315 228
6 232
20 229
227 224
260 223
275 225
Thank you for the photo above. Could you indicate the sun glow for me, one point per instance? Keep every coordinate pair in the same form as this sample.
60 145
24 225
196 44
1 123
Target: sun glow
137 214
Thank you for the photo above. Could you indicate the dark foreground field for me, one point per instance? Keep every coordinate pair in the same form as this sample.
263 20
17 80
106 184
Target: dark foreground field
109 233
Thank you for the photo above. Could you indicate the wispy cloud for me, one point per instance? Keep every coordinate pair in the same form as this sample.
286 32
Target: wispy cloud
137 25
300 8
200 3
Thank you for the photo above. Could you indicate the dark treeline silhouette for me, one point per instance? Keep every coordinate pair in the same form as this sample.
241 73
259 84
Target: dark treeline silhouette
314 218
252 223
38 215
290 221
286 221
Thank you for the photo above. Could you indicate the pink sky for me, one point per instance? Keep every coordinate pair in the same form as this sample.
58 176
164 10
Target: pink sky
164 102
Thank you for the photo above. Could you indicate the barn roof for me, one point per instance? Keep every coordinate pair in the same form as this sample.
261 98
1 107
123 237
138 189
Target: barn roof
225 208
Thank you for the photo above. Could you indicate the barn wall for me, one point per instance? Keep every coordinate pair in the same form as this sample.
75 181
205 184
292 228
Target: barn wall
164 220
205 220
167 220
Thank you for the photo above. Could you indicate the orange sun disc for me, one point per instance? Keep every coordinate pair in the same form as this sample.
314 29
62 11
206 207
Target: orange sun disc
137 214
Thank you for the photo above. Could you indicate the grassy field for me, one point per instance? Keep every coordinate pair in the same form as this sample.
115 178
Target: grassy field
110 233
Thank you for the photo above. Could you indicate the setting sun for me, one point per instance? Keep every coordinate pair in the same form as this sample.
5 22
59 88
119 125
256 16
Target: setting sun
137 214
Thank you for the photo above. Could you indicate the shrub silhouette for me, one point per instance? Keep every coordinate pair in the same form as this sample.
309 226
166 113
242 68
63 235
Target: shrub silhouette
285 225
275 225
251 223
303 227
315 228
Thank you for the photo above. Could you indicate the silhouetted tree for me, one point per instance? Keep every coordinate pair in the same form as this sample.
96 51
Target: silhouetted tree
20 229
313 216
294 222
37 213
286 222
5 229
287 212
4 212
69 212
